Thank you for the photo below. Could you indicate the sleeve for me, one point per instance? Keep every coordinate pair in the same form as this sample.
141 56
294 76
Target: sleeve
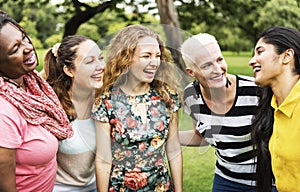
175 102
100 109
11 125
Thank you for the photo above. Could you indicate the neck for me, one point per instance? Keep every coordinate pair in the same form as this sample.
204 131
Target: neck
83 102
283 86
19 82
216 94
135 89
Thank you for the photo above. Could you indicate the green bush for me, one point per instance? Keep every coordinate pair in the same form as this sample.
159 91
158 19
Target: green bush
50 41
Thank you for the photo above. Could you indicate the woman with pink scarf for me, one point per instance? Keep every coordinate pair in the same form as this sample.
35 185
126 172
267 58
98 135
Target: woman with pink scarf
32 120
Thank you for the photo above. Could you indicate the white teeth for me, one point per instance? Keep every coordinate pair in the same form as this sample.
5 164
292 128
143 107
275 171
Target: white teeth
215 78
148 71
256 69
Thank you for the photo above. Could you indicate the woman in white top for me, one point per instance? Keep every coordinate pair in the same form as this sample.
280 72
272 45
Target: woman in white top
74 69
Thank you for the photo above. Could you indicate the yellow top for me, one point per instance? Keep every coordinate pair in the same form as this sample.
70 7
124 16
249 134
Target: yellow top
284 144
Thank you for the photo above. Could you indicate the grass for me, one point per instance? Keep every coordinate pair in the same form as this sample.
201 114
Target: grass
199 162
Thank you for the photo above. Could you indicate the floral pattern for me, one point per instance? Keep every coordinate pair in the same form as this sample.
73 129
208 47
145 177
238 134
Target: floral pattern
138 148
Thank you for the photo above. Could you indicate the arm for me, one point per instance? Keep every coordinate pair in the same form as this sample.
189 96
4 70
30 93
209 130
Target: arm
174 155
103 155
192 137
8 170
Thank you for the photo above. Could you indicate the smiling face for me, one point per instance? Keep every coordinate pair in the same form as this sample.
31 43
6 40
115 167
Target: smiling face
89 66
209 65
17 56
265 63
146 61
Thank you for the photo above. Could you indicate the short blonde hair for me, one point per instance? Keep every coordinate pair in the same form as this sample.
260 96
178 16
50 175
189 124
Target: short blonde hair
193 43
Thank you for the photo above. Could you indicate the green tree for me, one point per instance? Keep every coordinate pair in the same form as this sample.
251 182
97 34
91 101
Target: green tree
90 31
279 13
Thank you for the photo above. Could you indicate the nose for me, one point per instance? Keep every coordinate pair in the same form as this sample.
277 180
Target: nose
252 61
101 65
154 61
217 68
28 47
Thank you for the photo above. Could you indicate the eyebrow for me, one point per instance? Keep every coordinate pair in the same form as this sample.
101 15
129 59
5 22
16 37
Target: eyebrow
258 47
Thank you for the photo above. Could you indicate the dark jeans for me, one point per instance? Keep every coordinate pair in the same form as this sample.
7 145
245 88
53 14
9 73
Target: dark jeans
224 185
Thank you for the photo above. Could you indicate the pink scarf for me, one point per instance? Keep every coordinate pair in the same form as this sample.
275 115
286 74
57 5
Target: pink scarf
39 105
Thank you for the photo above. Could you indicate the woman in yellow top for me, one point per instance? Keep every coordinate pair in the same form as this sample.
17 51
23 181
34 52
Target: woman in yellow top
276 132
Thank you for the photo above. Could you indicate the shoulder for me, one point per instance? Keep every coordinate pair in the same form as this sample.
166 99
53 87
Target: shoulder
12 124
9 109
247 86
190 90
246 79
246 82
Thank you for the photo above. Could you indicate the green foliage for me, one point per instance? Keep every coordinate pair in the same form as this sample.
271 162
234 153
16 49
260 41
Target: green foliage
29 27
37 43
234 23
50 41
90 31
279 13
40 55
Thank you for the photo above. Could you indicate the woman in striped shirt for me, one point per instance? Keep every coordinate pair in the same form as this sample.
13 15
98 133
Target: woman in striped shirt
222 106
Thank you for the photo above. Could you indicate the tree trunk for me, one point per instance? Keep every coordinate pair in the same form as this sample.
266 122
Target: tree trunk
81 17
169 19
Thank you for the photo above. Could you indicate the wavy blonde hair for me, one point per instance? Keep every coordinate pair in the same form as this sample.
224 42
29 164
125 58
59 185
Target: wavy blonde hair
119 58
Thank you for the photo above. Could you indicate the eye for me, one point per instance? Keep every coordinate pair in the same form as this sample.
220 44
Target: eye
145 56
89 60
101 58
205 66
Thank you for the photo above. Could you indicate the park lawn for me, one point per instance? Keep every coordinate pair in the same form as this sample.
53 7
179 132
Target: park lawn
198 162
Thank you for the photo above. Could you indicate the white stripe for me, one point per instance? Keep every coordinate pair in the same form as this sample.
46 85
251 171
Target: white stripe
230 138
233 121
247 101
248 167
234 152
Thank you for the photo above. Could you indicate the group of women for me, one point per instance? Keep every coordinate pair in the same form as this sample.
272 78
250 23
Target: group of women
87 125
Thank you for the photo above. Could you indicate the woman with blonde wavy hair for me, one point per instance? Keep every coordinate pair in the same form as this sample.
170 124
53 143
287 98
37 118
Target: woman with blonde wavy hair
136 114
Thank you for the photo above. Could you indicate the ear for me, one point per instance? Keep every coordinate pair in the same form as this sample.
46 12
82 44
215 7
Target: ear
190 72
68 71
288 56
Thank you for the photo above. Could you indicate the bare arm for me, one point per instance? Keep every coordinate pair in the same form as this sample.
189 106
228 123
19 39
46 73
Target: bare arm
103 156
192 137
174 153
8 170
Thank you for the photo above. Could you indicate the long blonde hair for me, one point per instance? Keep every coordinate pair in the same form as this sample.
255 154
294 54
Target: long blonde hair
119 58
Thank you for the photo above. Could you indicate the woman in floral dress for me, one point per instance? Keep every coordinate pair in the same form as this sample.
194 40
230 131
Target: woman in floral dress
136 116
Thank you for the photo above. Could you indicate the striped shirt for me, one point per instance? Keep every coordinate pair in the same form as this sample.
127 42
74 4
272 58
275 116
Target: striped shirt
229 133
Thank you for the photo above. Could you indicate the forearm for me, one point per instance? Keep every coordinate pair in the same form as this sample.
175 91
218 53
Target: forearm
8 181
103 169
175 161
191 138
7 170
103 160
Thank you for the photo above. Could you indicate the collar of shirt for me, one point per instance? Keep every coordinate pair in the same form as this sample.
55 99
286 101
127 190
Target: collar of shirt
290 102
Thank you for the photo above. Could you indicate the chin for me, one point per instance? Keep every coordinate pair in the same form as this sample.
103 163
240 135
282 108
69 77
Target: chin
96 84
258 82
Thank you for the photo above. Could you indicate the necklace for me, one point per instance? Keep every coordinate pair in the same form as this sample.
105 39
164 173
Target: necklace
12 82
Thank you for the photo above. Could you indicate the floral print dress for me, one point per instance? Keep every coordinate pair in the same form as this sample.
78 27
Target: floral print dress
138 148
